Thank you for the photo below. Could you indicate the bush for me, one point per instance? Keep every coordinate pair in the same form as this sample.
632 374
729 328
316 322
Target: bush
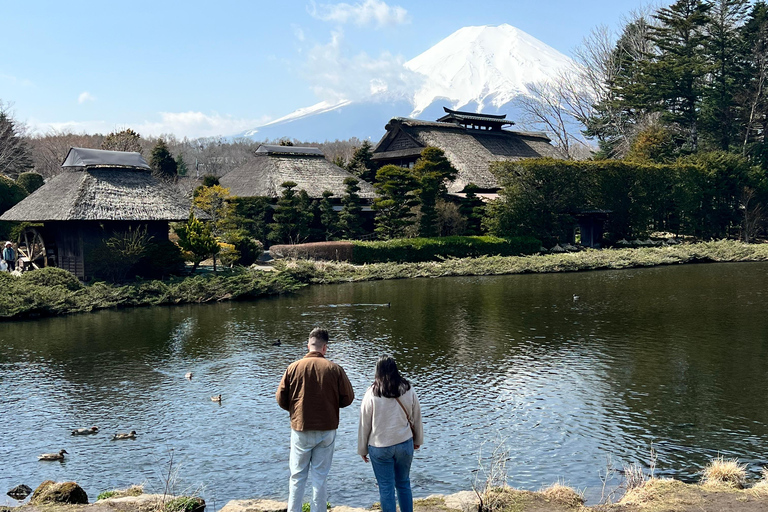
160 260
336 251
432 249
51 276
30 181
248 248
10 193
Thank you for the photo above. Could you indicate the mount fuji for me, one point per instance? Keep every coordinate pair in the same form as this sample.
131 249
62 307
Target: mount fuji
481 69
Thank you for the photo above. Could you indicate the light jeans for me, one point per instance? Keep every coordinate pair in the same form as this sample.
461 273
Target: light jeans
312 448
392 467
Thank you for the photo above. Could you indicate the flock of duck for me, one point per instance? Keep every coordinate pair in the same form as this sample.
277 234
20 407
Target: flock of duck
59 456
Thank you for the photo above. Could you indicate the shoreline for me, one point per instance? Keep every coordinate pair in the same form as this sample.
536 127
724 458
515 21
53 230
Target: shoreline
52 292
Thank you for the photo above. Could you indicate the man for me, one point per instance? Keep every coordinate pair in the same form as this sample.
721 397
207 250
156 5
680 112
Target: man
312 390
9 255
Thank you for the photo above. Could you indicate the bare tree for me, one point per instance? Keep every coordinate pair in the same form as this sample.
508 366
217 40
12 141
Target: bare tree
48 151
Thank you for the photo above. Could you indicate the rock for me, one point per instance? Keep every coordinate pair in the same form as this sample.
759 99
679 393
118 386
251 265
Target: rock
63 492
255 506
20 492
344 508
557 249
465 501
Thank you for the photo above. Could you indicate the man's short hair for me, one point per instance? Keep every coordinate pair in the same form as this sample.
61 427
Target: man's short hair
319 334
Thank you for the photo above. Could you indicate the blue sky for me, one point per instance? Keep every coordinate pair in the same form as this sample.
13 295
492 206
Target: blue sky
199 68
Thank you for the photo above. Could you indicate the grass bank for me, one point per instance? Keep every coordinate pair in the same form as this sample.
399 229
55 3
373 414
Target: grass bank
51 291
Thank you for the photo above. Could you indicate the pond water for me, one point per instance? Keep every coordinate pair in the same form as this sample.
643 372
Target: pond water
669 357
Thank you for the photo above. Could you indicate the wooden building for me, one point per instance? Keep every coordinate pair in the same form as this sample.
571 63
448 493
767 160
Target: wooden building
470 141
97 194
272 166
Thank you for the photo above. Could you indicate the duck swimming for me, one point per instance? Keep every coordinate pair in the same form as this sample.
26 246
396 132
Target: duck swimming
216 398
188 375
53 456
131 435
85 431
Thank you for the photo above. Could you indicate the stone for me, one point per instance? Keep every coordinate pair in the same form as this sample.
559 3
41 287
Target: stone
59 492
255 506
344 508
20 492
466 501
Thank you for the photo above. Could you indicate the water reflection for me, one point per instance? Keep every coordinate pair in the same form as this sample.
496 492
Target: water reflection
669 356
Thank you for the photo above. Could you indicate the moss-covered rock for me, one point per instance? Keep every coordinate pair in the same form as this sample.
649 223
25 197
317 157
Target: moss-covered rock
59 492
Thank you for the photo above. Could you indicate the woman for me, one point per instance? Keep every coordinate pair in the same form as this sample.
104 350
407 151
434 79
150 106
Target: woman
390 429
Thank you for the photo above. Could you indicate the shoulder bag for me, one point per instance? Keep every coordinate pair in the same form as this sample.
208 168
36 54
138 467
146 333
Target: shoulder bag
408 417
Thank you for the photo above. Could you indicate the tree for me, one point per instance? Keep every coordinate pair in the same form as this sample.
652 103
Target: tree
14 152
394 186
291 222
329 219
215 201
162 163
472 208
124 140
361 164
431 171
350 216
181 166
30 181
10 193
196 239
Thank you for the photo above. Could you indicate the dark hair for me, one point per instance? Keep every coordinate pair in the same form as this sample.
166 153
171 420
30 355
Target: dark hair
388 381
319 334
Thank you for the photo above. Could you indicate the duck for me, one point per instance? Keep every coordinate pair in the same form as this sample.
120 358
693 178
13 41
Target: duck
85 431
188 375
53 456
131 435
277 343
216 398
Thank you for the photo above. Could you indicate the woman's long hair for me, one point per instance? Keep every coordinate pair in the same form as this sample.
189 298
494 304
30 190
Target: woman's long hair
388 381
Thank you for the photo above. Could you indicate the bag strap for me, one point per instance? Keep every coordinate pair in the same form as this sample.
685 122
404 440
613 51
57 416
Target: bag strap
407 416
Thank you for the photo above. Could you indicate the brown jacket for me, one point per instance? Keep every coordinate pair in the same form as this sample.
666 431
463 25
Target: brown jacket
312 390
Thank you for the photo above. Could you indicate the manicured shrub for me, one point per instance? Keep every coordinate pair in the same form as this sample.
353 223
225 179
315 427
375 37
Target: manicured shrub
51 276
30 181
160 260
336 251
432 249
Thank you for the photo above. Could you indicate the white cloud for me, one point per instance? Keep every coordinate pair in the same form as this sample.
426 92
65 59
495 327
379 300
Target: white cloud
85 96
335 76
298 32
369 12
181 124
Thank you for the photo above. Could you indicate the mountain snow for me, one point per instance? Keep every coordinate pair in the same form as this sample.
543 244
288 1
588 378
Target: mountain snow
482 69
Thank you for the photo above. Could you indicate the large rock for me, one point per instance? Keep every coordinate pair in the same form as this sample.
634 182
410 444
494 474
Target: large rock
154 502
255 506
20 492
59 492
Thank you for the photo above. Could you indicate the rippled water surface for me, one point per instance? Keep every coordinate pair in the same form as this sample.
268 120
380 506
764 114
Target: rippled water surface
675 357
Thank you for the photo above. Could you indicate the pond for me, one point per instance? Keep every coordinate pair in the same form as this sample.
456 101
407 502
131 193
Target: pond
573 372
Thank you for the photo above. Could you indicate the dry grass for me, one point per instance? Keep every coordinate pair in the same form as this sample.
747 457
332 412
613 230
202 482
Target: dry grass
563 494
634 476
727 472
761 487
652 490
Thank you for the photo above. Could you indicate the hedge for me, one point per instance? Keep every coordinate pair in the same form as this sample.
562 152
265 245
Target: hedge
433 249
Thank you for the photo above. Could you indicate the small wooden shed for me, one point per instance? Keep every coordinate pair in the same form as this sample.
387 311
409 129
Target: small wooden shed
97 194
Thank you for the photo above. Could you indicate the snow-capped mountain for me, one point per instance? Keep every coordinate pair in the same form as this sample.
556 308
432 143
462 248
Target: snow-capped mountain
482 69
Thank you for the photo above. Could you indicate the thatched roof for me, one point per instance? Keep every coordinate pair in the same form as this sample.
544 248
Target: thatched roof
471 151
90 158
101 194
264 174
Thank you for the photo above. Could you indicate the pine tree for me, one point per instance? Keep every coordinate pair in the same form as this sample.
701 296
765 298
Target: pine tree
432 171
290 222
754 97
196 239
472 208
361 164
181 166
329 218
162 163
350 216
124 140
394 186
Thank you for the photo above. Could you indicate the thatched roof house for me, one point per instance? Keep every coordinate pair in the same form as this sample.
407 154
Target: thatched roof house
274 165
470 141
98 193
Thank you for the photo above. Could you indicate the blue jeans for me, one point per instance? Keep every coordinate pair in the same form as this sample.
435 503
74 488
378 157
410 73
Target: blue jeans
392 467
311 448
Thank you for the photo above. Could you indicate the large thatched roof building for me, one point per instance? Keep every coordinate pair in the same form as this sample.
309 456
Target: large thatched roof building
274 165
97 194
470 141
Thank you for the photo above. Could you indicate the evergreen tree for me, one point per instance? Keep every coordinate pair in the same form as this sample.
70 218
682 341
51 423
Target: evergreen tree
124 140
162 163
394 186
14 152
329 219
754 97
350 217
361 164
30 181
472 208
291 222
196 239
181 166
432 171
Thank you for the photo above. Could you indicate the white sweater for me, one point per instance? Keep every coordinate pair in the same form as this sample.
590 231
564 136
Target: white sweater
383 422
